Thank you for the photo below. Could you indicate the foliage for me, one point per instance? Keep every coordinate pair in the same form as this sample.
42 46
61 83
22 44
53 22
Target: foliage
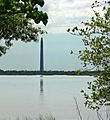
96 38
27 7
2 50
17 27
16 21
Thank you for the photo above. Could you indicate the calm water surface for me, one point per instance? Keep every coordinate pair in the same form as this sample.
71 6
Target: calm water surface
24 96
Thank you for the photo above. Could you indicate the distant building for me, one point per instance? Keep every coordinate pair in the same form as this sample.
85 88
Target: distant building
41 56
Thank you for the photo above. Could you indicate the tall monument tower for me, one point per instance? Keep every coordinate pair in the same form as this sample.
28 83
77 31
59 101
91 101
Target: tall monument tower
41 56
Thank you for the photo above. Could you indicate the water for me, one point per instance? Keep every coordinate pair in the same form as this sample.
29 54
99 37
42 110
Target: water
24 96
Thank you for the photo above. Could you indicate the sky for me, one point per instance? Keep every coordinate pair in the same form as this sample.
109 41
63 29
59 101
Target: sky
66 13
63 14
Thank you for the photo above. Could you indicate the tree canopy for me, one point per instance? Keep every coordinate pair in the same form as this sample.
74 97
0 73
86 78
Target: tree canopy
16 21
27 7
96 38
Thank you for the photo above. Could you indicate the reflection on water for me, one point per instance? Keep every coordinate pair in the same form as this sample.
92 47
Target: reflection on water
26 96
41 86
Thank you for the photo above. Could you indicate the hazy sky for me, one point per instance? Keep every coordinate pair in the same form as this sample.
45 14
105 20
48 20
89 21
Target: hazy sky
66 13
63 14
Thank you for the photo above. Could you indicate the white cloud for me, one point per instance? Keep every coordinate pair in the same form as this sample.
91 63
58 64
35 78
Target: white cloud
63 13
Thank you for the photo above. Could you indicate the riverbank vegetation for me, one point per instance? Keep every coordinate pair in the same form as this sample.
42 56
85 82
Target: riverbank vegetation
24 72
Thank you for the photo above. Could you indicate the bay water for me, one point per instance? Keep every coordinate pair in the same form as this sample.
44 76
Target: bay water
32 96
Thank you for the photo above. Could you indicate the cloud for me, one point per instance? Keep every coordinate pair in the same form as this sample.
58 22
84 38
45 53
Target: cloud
63 13
69 0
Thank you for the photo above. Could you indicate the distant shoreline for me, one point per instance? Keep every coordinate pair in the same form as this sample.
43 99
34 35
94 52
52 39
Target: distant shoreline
71 73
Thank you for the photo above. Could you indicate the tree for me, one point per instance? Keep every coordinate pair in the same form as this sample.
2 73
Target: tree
96 38
27 7
16 27
16 18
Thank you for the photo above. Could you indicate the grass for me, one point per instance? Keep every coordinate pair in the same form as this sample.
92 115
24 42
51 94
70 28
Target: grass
41 117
